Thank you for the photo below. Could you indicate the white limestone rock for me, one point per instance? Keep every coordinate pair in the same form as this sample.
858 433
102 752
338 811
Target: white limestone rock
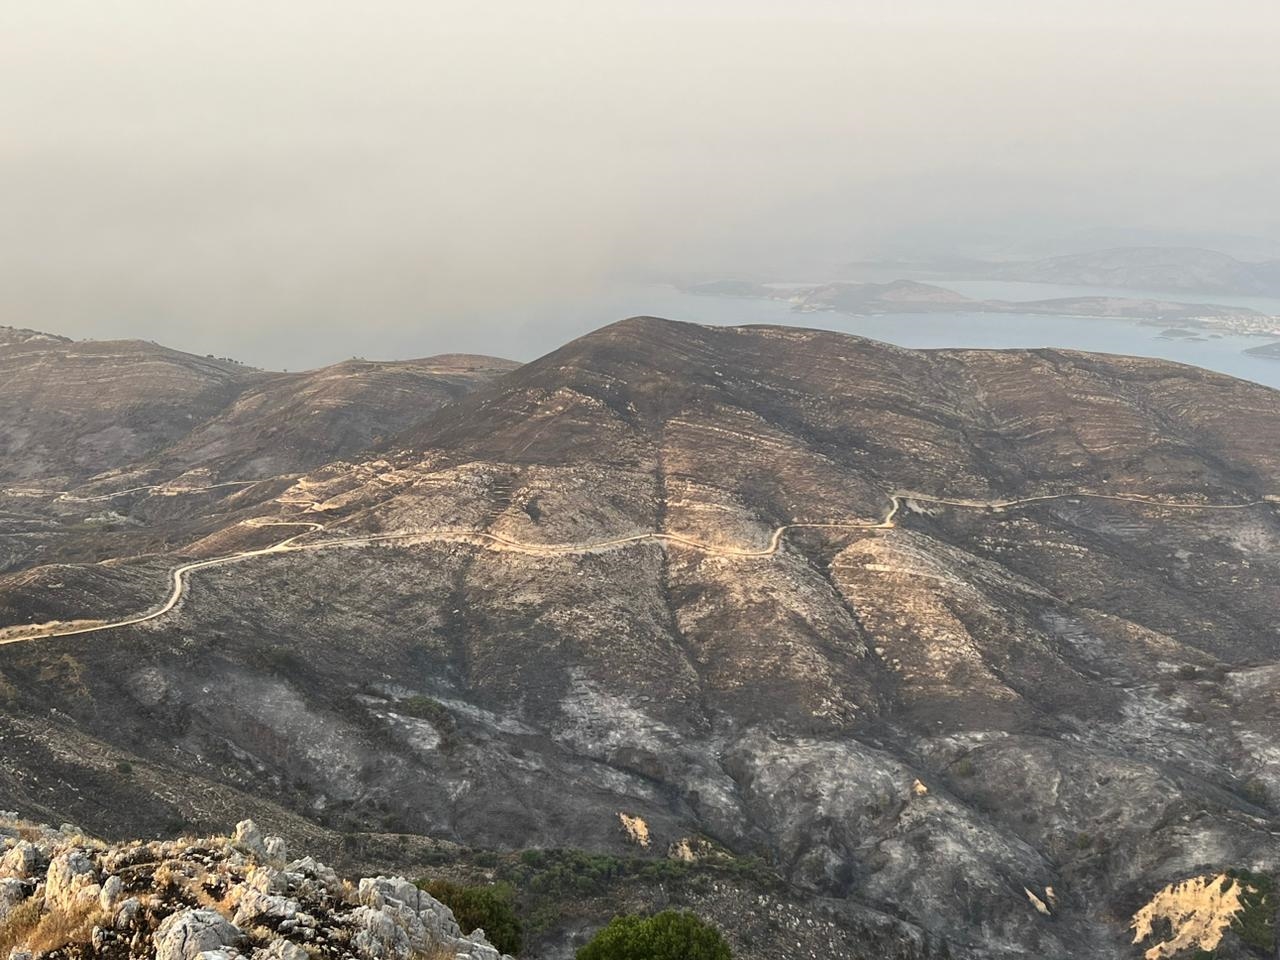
112 888
188 934
20 861
69 874
249 839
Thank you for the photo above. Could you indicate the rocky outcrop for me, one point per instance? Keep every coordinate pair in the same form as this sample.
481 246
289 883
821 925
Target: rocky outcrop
249 839
220 899
19 861
187 934
71 878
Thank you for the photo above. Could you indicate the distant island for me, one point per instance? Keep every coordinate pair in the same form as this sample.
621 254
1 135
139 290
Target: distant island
911 296
1269 351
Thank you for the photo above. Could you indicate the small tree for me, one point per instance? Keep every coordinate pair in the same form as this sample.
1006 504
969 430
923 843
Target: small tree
670 935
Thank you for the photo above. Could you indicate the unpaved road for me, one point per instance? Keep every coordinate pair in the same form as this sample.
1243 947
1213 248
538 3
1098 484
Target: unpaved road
180 575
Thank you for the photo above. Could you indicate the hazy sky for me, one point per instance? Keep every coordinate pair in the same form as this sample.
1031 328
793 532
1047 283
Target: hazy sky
295 181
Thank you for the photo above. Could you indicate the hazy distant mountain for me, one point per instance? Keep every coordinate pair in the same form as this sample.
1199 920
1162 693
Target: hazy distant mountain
1242 247
987 728
1152 268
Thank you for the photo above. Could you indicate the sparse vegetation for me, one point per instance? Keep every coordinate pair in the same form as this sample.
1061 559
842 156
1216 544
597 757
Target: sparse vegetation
670 935
62 926
424 708
1256 791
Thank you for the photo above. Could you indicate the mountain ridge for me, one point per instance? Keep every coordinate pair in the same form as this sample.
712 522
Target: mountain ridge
106 404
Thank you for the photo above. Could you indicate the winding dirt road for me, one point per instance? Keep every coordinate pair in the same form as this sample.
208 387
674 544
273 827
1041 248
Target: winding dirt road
66 496
180 575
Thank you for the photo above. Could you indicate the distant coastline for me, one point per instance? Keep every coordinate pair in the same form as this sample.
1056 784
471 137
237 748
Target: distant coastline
915 297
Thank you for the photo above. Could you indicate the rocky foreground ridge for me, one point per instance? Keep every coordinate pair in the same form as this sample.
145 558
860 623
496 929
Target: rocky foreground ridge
68 896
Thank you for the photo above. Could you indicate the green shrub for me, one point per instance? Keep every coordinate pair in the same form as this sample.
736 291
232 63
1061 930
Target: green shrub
670 935
1255 924
551 882
487 908
568 874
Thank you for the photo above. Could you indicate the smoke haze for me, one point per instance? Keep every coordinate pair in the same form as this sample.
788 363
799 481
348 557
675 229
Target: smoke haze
294 182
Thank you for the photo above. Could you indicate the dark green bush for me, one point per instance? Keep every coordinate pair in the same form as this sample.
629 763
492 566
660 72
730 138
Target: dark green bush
1256 791
1255 924
487 908
424 708
546 881
670 935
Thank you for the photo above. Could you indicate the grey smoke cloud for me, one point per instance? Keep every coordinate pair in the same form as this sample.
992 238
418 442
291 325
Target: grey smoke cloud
296 182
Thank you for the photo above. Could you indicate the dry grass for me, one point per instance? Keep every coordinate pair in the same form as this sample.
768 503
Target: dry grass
40 933
192 883
166 881
17 927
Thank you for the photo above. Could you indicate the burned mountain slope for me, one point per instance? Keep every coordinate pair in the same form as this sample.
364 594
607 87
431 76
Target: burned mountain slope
979 641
